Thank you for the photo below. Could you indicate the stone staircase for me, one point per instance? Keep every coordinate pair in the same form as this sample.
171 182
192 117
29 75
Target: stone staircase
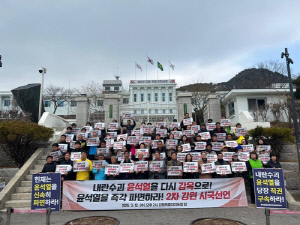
21 198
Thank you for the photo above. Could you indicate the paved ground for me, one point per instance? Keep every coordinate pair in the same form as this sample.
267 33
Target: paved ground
248 216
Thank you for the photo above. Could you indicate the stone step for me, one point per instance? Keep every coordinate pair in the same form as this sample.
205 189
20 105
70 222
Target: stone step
293 183
293 166
291 173
41 162
26 183
295 193
23 190
289 149
18 203
29 177
35 171
43 157
38 167
20 196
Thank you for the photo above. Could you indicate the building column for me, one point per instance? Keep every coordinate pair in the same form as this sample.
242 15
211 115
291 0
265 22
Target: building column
82 110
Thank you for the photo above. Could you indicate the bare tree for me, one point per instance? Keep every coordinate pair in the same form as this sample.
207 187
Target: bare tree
277 109
93 91
263 112
255 113
58 96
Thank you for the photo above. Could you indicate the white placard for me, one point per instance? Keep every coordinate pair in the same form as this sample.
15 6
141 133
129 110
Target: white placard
174 170
223 169
62 169
238 166
126 168
112 169
200 146
208 168
140 165
189 167
81 166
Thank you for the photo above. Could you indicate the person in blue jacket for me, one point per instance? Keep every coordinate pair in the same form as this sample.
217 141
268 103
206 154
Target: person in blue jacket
100 173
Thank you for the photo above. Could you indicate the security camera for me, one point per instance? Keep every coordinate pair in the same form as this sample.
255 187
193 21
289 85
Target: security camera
282 55
42 69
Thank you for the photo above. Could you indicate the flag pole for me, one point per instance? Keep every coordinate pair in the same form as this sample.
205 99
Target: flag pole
135 70
157 71
146 71
169 70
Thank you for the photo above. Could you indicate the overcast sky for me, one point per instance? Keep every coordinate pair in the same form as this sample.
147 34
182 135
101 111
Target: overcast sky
83 41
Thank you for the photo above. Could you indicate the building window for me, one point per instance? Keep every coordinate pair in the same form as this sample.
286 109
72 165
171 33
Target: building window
107 88
255 103
142 111
164 111
134 97
116 88
149 97
142 97
163 96
134 111
60 103
170 97
47 103
73 104
231 108
125 100
149 111
156 97
99 102
6 102
171 110
156 111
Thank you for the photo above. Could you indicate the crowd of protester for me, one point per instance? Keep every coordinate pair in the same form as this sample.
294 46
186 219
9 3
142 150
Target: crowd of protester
114 148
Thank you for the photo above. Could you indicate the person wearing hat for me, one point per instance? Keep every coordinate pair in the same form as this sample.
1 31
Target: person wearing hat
100 173
50 166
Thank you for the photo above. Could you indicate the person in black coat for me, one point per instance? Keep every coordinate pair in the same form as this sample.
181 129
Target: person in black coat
129 126
67 161
274 163
143 174
50 166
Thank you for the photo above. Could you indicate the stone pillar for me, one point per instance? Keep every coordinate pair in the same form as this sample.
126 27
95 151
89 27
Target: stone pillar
111 108
184 103
213 109
82 110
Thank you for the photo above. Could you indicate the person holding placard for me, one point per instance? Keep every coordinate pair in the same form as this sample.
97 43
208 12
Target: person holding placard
143 174
69 130
84 175
93 149
100 172
189 175
235 158
218 129
58 153
67 161
130 175
174 162
77 147
113 160
253 162
82 142
50 166
186 116
221 161
160 173
129 126
63 141
202 161
274 163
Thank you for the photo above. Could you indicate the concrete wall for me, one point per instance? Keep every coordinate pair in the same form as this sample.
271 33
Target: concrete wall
183 98
8 173
82 111
51 120
114 101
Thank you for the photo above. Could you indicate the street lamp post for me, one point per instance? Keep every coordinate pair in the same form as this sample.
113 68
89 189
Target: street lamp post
42 70
0 61
288 61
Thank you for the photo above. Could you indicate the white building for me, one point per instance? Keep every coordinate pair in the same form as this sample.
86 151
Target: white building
241 100
5 101
150 100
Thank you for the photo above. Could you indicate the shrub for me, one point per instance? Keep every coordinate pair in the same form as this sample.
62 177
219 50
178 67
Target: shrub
20 139
275 136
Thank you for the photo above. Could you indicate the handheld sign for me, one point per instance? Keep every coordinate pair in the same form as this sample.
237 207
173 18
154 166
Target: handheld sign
81 166
145 152
240 131
173 125
62 169
92 141
217 146
174 170
69 137
146 140
113 126
99 164
124 136
112 169
186 147
231 144
196 156
225 122
155 165
188 121
162 156
154 143
75 131
177 134
171 143
205 136
190 167
75 156
269 188
200 145
63 147
238 166
132 140
221 136
210 126
227 156
223 169
244 156
72 144
212 157
112 135
162 132
56 155
208 168
103 151
119 145
100 126
121 156
126 168
148 129
267 148
181 156
264 157
140 165
137 133
247 148
127 116
160 124
188 133
195 128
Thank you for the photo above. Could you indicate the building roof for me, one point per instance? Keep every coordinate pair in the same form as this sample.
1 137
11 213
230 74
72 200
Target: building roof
265 91
112 82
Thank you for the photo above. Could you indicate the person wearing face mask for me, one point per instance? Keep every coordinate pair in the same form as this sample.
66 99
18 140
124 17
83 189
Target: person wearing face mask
202 161
221 161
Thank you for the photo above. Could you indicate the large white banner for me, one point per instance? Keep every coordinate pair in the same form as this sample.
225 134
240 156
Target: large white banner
153 194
